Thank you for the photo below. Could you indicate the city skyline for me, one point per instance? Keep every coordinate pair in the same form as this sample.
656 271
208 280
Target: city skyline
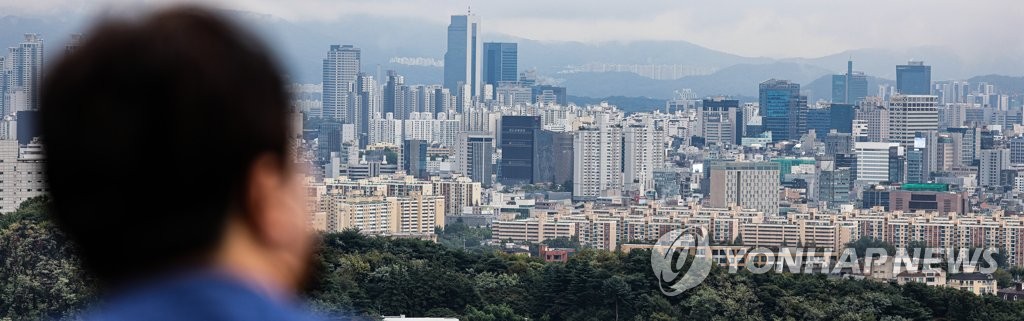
779 29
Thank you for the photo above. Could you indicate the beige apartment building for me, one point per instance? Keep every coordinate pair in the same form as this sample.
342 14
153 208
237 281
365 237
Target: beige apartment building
610 227
394 205
748 184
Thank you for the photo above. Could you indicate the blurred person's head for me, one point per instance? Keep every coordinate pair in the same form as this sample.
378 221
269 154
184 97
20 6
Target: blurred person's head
167 150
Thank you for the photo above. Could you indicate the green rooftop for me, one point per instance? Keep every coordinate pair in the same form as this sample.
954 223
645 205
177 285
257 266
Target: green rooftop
925 187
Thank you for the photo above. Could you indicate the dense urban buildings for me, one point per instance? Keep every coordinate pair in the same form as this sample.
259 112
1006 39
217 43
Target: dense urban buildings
501 146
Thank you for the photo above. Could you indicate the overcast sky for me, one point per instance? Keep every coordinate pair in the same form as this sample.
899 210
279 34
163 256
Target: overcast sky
772 28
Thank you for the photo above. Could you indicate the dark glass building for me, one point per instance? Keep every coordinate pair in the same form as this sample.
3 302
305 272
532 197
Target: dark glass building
783 110
518 142
554 157
841 117
329 140
501 63
28 126
820 120
849 88
875 197
414 158
914 78
392 99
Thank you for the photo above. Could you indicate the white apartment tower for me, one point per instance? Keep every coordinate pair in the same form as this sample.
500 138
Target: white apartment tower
24 72
340 69
597 158
644 146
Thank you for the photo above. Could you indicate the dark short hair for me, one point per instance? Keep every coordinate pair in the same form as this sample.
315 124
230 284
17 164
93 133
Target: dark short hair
151 127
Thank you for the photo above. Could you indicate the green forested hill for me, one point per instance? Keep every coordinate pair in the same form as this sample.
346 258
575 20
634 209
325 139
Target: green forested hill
363 277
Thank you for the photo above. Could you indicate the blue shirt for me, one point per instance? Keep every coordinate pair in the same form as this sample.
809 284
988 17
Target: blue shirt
197 296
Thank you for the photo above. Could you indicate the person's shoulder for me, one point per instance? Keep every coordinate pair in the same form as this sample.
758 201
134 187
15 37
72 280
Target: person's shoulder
196 299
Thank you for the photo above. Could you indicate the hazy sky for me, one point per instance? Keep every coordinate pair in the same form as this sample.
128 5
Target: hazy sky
773 28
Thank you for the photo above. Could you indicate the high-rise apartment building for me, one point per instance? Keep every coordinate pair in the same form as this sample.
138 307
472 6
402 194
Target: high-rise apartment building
597 167
644 151
25 72
364 106
340 69
463 62
393 98
458 192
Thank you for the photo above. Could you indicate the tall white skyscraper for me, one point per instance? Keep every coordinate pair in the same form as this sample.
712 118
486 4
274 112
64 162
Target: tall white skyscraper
25 71
4 72
644 146
910 114
598 159
463 62
340 69
364 104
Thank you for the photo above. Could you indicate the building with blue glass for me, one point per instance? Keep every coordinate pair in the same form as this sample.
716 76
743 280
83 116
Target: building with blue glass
849 88
501 63
914 78
414 158
463 62
783 110
518 145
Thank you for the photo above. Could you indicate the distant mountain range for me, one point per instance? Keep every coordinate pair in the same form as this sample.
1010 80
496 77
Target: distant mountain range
302 45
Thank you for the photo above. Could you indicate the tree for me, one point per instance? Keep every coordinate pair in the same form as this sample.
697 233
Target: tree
866 242
40 276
